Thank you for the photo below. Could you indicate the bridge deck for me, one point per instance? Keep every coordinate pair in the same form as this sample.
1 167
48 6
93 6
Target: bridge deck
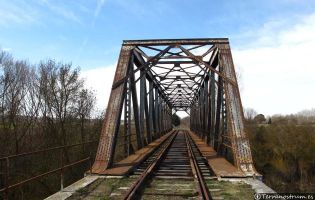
220 166
124 166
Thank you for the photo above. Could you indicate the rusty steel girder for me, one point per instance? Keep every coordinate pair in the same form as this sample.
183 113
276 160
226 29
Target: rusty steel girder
107 143
235 116
155 78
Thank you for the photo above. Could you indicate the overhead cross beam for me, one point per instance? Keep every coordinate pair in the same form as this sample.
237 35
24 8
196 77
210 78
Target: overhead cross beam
160 42
155 78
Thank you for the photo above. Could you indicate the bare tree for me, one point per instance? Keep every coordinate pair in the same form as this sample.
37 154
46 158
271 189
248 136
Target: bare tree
85 105
30 107
60 87
306 116
250 114
41 106
14 89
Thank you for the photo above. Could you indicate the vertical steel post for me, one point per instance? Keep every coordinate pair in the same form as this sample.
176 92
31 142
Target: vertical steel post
206 108
7 178
202 111
213 106
126 113
222 148
142 97
157 113
160 115
218 112
151 110
61 171
147 115
127 120
90 160
163 117
140 139
199 113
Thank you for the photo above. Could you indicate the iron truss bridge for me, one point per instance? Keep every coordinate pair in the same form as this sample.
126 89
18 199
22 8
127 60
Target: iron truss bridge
156 78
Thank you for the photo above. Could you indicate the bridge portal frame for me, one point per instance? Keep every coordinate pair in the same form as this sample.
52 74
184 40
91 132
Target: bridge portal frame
212 98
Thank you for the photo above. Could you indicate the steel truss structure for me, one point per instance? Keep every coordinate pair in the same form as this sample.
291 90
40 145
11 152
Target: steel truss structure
155 78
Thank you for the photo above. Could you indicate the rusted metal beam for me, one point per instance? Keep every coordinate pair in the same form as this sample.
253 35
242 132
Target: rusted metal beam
141 142
218 114
159 42
106 147
242 153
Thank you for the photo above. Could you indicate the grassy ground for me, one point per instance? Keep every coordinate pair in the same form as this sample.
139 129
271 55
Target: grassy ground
230 190
170 189
103 189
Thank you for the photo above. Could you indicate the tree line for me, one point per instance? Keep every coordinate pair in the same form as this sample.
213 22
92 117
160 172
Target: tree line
283 148
47 98
43 105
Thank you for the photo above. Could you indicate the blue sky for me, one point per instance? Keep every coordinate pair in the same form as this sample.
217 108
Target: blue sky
89 33
264 36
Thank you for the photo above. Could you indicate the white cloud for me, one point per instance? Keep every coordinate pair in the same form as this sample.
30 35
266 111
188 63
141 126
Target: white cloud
100 80
22 13
99 6
28 12
62 11
6 49
278 75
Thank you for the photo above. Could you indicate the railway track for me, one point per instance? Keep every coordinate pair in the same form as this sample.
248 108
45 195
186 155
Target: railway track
177 159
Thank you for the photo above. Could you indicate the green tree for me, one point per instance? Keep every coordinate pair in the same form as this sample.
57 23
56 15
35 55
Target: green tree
175 120
260 118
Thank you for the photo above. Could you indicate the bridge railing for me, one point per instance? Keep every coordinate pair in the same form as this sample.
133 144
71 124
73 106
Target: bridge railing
6 184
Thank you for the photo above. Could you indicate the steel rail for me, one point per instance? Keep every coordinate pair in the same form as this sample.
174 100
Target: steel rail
140 181
202 185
